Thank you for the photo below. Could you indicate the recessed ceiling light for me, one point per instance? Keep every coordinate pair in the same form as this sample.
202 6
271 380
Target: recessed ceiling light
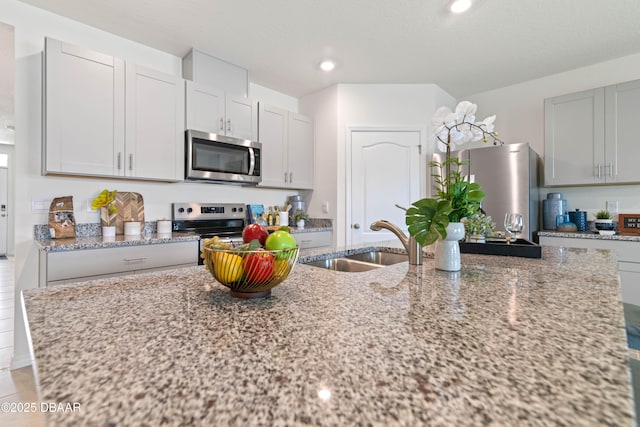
327 65
459 6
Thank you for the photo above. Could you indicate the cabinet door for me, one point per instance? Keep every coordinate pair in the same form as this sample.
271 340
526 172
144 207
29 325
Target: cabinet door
301 154
273 133
154 125
84 110
621 123
574 139
205 108
240 118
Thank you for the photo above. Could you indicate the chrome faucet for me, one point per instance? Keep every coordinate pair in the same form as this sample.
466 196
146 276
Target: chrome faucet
413 248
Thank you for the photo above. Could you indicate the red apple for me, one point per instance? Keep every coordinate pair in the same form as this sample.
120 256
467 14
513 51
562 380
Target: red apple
254 231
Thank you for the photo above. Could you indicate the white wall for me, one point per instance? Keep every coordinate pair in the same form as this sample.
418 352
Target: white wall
31 26
520 118
363 105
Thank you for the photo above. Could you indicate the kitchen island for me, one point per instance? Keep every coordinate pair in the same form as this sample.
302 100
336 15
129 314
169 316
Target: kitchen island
505 341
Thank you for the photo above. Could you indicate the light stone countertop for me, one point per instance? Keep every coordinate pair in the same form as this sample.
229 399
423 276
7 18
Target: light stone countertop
97 241
591 235
505 341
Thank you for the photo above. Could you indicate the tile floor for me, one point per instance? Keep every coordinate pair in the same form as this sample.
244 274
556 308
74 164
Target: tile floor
16 386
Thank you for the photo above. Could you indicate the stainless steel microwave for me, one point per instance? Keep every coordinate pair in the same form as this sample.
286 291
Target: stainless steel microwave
219 158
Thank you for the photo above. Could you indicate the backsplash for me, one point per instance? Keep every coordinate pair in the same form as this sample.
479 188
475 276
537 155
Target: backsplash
41 231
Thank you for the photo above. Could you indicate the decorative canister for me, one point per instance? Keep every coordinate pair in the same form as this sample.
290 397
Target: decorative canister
552 206
579 218
163 226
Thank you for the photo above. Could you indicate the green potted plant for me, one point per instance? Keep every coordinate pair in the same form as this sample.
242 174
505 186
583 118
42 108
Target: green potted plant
456 198
603 221
299 217
478 227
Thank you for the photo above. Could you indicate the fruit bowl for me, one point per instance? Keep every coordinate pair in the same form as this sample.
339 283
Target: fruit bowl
249 273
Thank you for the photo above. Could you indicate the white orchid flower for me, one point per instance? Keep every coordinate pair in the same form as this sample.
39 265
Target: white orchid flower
439 118
466 108
487 124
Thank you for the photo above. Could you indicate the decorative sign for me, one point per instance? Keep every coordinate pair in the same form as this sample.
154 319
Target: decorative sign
629 223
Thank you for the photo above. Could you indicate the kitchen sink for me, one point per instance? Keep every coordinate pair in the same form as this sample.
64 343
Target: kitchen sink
379 257
360 262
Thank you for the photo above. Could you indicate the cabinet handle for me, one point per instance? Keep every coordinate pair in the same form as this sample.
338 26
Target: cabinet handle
285 177
229 126
134 259
291 177
610 165
131 162
599 170
119 160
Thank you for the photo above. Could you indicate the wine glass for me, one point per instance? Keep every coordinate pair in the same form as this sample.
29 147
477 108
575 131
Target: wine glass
514 224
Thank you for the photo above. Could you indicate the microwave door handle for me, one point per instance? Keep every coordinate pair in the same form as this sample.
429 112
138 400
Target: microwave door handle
252 161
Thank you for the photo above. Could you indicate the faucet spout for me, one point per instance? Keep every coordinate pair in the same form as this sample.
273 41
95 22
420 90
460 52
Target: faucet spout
413 248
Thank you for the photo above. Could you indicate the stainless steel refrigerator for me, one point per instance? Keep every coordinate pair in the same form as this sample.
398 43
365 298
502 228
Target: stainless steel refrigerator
509 175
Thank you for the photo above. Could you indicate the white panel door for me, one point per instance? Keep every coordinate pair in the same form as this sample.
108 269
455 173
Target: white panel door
240 118
84 96
385 170
621 125
205 108
155 125
574 138
273 135
4 211
301 155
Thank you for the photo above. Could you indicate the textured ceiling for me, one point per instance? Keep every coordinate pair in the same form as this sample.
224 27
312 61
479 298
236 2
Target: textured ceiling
281 42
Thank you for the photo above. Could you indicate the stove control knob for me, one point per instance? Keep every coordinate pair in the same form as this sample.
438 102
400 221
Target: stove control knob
233 209
181 210
189 210
240 209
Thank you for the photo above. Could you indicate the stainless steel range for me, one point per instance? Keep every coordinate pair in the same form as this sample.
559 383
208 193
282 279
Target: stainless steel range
225 220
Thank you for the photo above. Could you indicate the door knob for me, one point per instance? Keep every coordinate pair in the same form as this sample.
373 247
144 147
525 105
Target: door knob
356 226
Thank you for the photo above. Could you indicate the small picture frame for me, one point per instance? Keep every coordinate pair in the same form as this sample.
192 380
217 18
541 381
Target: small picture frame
629 223
255 213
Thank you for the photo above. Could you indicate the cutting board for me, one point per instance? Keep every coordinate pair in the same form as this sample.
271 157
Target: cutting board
130 208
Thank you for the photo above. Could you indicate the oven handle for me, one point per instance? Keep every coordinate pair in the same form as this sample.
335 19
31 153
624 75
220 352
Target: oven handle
252 161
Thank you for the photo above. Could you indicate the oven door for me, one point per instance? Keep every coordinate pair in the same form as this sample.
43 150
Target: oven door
212 157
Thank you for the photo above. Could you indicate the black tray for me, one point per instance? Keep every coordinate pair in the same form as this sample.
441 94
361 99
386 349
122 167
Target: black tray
520 247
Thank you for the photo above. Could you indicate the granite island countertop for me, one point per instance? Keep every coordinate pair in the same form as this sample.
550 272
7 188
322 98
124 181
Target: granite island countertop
591 235
505 341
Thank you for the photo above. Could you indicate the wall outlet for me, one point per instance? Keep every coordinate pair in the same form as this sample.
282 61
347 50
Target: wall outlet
612 208
325 207
89 208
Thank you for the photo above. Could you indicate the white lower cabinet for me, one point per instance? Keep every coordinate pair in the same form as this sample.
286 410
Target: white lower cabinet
314 239
628 260
79 265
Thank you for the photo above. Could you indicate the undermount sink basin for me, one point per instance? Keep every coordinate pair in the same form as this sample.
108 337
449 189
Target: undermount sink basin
378 257
360 262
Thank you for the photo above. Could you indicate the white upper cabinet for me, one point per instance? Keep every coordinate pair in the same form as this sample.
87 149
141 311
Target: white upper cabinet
105 117
301 154
273 135
287 148
154 124
590 138
205 108
622 109
241 117
84 110
212 110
